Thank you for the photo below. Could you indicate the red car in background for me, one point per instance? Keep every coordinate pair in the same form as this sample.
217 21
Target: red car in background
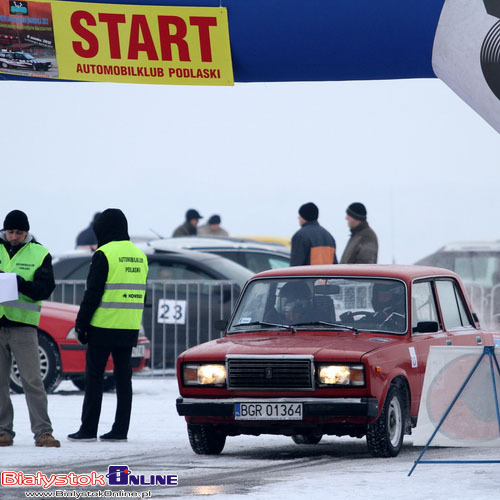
63 357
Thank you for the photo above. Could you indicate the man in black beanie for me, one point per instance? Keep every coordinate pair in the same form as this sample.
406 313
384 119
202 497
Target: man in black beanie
19 319
362 247
312 244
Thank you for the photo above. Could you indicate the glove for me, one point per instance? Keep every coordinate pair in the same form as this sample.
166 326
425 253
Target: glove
82 335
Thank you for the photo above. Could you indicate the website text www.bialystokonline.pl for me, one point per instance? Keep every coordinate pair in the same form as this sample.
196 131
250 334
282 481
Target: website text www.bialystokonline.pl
88 494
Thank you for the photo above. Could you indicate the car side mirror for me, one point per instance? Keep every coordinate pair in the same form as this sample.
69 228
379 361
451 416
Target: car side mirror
220 325
426 327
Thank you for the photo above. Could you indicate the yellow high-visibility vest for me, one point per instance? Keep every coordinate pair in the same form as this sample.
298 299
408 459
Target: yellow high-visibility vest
24 263
122 303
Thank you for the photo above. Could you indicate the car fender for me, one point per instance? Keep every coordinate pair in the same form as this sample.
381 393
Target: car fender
381 373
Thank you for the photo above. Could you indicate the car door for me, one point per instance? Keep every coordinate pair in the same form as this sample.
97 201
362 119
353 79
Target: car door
424 308
456 316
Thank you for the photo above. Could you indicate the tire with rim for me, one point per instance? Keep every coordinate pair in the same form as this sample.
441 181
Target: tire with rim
385 436
5 65
108 383
50 366
307 438
205 440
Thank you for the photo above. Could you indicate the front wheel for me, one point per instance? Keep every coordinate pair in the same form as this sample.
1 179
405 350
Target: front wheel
307 438
385 436
50 366
205 440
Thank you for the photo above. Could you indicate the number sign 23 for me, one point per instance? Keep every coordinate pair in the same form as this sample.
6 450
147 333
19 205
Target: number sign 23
172 312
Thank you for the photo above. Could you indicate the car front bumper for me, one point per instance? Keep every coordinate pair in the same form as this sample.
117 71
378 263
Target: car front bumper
312 407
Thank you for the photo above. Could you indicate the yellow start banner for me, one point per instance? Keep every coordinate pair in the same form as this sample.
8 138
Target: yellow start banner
117 43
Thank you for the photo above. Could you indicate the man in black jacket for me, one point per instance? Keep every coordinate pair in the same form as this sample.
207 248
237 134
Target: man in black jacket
32 264
312 243
109 321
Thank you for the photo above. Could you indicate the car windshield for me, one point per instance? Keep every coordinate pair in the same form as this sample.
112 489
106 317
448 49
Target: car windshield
351 304
25 56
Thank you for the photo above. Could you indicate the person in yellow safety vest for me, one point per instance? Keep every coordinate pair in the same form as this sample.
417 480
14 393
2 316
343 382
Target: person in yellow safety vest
32 264
108 321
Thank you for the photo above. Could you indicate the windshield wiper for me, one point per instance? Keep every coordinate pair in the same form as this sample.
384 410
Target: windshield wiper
265 323
326 323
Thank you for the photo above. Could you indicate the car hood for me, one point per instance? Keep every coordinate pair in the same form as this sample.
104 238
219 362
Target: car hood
345 346
59 310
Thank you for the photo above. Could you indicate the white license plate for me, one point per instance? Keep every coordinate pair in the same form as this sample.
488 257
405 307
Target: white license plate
138 351
268 410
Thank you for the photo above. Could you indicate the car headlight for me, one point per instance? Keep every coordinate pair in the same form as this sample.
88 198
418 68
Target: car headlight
204 374
338 374
72 334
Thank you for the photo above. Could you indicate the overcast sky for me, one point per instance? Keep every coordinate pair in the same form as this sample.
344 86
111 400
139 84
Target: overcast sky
424 164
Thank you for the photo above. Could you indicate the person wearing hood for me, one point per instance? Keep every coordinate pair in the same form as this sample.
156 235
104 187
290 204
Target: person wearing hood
19 319
108 321
362 247
86 238
190 226
311 244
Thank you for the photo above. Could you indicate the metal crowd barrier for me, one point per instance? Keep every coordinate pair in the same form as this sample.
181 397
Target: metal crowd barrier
178 314
486 304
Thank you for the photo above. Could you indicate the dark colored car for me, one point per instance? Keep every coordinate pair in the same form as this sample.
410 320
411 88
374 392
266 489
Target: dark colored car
187 292
315 350
253 255
23 60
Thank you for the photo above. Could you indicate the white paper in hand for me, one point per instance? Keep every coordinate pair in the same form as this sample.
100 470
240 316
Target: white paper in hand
8 287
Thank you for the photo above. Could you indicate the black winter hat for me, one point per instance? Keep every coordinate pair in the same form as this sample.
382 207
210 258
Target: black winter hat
357 211
193 214
214 219
309 212
16 220
111 225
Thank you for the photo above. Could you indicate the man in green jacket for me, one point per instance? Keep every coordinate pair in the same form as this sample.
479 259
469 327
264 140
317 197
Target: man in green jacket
362 247
32 264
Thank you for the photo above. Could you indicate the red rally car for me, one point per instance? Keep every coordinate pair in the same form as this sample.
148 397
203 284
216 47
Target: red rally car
317 350
63 357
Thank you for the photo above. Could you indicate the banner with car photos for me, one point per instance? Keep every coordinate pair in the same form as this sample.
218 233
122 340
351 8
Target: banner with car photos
115 43
27 44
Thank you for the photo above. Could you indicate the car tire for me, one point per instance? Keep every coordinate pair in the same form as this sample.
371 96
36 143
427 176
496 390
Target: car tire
50 366
205 440
108 382
307 438
5 65
385 436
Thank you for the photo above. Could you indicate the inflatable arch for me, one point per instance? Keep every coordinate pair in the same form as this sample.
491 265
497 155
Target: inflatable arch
216 42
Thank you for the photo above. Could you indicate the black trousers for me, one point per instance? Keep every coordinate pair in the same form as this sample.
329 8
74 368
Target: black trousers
97 357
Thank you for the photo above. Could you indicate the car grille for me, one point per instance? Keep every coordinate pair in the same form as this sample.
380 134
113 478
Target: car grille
268 373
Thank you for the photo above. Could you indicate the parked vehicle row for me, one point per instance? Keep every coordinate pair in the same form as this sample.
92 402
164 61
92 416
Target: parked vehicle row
187 289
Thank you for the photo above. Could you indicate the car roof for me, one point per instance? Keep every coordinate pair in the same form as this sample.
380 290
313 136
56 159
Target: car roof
218 263
212 243
471 246
404 272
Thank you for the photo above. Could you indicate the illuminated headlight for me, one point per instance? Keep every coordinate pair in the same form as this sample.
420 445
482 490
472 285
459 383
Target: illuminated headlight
352 375
204 374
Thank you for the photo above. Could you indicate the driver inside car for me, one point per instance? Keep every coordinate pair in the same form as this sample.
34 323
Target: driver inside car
388 302
294 304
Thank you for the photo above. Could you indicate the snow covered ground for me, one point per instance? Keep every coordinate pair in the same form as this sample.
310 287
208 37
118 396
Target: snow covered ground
249 467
